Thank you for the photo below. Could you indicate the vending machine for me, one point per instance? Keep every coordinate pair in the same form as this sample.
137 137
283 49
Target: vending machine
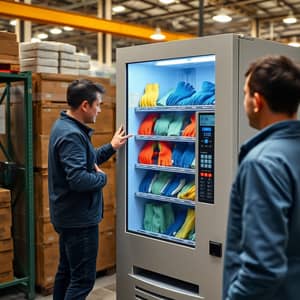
183 102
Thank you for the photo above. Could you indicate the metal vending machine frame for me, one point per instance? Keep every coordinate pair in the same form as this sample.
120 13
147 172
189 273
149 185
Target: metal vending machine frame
151 266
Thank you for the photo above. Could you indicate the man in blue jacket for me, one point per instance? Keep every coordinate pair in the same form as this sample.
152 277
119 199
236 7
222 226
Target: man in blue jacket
262 259
75 188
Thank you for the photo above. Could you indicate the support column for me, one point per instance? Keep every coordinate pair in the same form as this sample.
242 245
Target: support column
23 28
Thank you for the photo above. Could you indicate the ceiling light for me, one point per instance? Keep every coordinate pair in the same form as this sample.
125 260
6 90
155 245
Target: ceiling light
13 22
42 36
290 19
166 1
118 9
55 30
157 35
35 40
68 28
222 17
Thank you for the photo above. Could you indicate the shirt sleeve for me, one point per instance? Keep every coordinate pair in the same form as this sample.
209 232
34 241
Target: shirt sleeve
73 157
266 191
104 152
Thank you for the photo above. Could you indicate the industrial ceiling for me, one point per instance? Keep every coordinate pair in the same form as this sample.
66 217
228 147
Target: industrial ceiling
261 18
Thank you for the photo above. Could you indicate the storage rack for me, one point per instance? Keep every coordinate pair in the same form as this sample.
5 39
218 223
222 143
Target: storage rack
27 278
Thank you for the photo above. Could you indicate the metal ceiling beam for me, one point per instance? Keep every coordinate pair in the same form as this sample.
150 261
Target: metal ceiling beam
51 16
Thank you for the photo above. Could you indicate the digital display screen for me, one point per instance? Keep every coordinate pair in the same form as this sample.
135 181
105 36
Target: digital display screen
207 119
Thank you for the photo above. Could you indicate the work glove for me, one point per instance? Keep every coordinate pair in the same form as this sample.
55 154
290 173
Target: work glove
148 216
177 153
190 129
187 191
163 100
176 125
164 154
145 185
161 182
180 216
188 156
188 224
175 185
162 124
207 91
182 90
147 154
146 127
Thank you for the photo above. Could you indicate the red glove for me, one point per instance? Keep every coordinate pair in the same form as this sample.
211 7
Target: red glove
146 127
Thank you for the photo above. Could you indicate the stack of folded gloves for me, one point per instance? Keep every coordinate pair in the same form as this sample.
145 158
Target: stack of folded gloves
149 153
160 183
182 90
163 100
159 153
188 192
183 155
180 216
190 129
146 183
177 124
175 185
158 217
205 96
150 96
162 124
147 126
188 225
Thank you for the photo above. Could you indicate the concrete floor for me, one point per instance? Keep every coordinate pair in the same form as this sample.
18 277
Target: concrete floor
104 289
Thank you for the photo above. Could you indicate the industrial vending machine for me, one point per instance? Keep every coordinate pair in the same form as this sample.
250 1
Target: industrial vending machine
183 101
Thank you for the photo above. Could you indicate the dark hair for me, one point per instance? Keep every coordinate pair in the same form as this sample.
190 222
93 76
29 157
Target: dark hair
276 78
83 89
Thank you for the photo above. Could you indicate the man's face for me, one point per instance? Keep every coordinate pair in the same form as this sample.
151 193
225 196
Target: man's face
93 110
249 106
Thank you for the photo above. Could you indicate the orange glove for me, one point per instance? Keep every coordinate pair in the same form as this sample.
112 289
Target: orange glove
146 127
165 154
190 130
147 154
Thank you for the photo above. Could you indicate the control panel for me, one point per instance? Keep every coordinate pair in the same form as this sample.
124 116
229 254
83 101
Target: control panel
206 133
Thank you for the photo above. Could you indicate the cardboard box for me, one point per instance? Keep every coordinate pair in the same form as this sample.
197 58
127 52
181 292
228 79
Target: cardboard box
47 258
6 277
5 197
41 194
6 245
5 224
100 139
45 116
45 233
6 257
41 143
107 250
109 191
108 222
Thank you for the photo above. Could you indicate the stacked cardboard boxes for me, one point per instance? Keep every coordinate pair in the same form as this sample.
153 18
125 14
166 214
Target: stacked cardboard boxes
49 96
9 52
6 241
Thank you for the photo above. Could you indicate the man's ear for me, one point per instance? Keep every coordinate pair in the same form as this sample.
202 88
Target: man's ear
84 105
258 102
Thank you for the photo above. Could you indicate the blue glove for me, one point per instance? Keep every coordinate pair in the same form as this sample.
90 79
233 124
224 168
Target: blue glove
183 90
207 91
177 153
188 156
145 185
174 187
179 220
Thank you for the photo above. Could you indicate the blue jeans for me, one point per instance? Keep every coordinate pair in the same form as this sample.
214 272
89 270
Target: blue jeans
76 272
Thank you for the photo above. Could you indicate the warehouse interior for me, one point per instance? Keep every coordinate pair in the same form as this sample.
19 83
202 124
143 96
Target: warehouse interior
94 42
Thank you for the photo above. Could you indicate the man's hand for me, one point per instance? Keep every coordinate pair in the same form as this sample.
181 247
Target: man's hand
120 138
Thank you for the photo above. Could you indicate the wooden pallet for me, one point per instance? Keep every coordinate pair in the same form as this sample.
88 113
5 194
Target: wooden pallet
11 68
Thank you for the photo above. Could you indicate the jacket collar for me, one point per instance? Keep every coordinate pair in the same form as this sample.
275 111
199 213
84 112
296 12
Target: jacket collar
89 131
276 130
